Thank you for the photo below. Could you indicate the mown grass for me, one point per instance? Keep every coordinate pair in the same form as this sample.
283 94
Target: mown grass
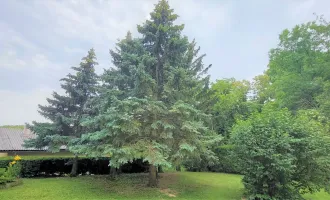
317 196
180 186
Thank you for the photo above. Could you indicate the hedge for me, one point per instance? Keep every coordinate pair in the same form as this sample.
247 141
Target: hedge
50 166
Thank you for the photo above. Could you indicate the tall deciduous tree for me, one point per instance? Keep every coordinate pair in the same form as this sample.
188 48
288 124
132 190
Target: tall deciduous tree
150 106
66 112
231 103
299 66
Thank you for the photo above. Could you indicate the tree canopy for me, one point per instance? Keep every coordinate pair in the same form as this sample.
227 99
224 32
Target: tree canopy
299 66
66 112
148 105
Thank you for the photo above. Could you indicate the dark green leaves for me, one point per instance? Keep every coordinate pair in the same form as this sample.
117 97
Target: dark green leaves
281 155
66 112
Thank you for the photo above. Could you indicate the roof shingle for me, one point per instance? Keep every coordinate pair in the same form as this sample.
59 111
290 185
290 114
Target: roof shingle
13 139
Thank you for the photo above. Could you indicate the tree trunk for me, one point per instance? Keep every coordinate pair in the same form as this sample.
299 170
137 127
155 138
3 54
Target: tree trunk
178 168
119 170
152 176
271 188
74 168
160 169
113 173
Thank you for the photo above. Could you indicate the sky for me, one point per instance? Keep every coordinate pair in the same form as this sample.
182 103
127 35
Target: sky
41 39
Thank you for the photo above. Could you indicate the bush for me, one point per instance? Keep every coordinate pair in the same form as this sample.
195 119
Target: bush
52 166
10 175
281 155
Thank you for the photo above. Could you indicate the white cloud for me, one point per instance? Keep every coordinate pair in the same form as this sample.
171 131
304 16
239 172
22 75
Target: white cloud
21 107
97 24
19 53
48 37
9 59
102 22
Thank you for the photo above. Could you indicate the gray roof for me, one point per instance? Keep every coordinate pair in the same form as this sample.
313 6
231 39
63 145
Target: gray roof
13 139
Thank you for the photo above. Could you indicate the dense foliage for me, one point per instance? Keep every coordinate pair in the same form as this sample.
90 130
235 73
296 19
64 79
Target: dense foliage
231 103
228 102
299 66
148 104
281 155
156 104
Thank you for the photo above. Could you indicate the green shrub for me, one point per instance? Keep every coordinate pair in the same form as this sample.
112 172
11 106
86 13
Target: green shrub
11 173
280 155
48 166
14 170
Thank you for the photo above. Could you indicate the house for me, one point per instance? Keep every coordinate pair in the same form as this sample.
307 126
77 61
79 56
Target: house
12 140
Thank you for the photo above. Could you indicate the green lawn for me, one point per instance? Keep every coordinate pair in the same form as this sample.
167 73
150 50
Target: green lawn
185 185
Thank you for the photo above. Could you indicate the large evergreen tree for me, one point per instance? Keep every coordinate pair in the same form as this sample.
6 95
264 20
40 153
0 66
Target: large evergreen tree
66 112
149 103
